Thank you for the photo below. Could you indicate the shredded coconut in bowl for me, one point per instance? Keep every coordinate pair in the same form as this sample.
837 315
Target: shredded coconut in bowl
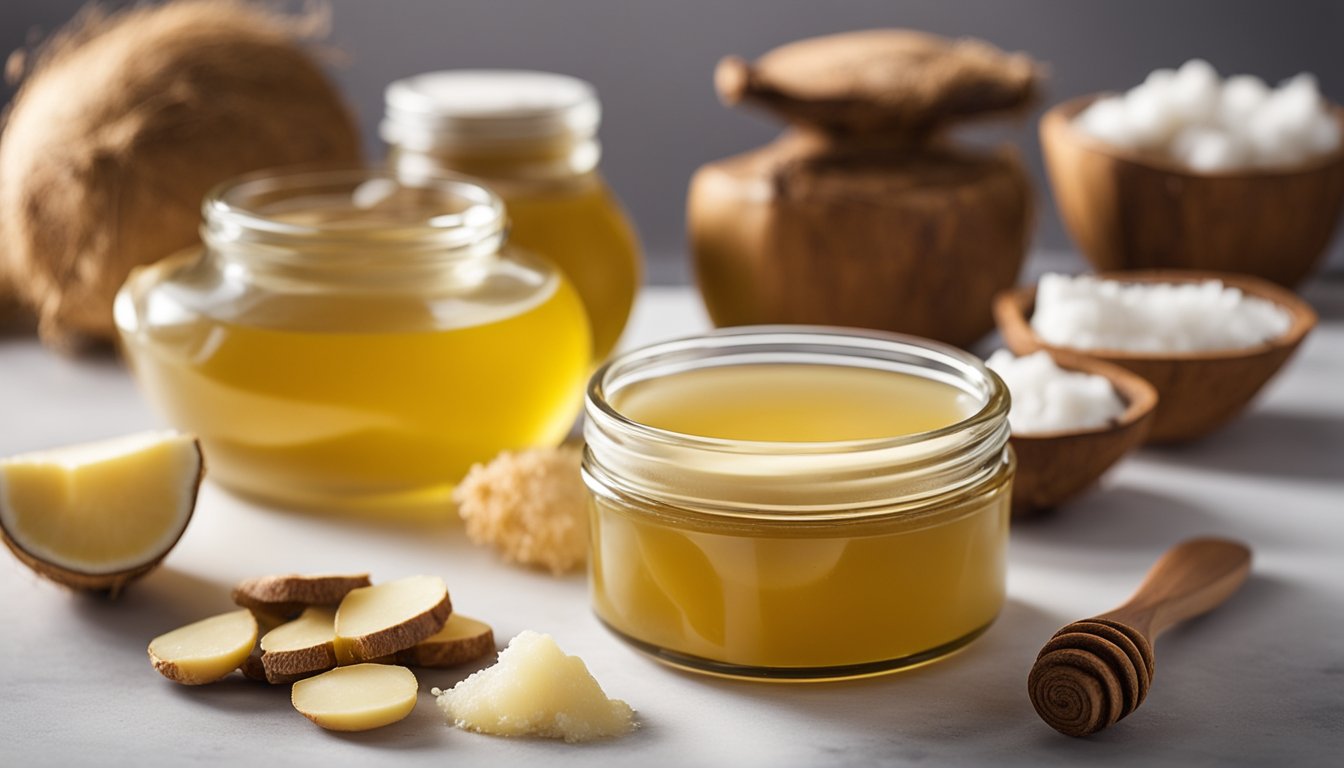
1088 312
1047 398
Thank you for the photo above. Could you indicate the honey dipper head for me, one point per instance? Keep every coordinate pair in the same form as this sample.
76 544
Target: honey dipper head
1090 675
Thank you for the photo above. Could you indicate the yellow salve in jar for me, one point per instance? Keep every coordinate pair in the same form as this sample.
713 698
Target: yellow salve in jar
798 503
532 138
349 341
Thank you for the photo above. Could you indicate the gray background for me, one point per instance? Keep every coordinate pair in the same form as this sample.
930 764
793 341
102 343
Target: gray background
652 63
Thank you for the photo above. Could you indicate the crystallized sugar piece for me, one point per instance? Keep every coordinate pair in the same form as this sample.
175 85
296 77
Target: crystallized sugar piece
1242 96
1106 119
1047 398
1088 312
1150 115
1212 126
1280 130
530 505
1323 137
1298 99
1275 141
1208 149
1195 92
1160 78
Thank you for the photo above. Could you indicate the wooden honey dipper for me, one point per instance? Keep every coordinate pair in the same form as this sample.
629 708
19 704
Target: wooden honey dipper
1096 671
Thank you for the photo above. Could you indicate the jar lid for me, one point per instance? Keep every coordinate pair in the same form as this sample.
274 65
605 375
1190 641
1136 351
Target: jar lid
474 106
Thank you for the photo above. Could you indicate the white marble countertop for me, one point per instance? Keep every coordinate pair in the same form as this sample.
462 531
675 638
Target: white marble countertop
1258 682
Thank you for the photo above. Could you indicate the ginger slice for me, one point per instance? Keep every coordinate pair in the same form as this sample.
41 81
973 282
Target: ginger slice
205 651
97 515
252 667
462 639
286 595
536 690
300 647
356 698
381 620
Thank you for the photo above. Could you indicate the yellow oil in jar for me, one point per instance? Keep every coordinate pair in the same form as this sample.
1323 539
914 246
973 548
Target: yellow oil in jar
582 229
340 403
531 137
793 403
810 598
574 221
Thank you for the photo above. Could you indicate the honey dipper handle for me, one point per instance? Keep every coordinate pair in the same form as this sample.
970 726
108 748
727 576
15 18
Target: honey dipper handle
1193 577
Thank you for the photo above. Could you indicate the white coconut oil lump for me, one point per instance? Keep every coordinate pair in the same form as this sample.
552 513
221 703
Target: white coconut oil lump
1047 398
535 689
1088 312
1209 124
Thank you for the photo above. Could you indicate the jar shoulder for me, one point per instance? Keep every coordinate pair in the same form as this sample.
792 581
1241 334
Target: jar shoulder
195 288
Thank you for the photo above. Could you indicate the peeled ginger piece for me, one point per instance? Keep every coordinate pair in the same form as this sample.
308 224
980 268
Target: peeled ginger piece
373 622
205 651
536 690
356 698
97 515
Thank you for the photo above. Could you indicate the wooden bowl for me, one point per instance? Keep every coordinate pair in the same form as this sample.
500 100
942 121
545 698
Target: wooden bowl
1053 467
1132 210
1197 391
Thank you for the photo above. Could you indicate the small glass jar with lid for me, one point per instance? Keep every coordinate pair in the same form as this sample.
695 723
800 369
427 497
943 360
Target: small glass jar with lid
349 341
797 503
532 138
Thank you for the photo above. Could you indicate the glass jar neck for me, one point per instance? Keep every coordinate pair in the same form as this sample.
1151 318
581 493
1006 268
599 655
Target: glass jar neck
557 159
353 229
842 480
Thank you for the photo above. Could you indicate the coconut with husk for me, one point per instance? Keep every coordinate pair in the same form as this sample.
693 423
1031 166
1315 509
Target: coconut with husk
865 212
122 124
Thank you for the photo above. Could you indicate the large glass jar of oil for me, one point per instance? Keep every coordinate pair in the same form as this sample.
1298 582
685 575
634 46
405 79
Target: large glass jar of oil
797 503
532 138
348 341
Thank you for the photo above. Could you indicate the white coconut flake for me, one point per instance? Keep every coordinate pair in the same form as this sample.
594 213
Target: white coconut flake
1207 124
1047 398
1088 312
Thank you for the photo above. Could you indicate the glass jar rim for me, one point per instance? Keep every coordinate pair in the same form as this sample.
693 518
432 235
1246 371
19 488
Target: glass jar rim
995 406
230 212
795 480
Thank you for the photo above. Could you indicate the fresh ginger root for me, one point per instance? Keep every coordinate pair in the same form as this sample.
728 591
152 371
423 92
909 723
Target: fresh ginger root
530 505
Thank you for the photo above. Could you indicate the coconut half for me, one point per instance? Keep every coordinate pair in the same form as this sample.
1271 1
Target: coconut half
98 515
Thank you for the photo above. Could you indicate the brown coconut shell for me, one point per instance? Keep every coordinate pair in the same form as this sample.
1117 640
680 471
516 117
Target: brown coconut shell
113 583
123 125
889 81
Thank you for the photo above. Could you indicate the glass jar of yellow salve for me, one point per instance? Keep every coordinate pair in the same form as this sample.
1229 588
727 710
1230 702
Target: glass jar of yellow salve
532 138
348 341
798 503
